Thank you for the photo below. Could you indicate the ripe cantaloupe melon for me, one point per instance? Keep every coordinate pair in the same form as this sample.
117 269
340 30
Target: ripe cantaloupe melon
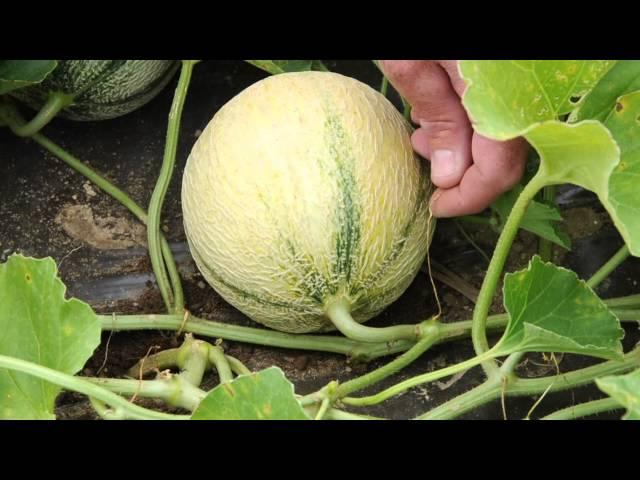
303 191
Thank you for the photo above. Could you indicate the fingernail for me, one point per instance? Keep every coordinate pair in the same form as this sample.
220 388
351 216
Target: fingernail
443 164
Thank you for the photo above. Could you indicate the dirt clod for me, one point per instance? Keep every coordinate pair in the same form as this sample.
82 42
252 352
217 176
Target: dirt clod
102 232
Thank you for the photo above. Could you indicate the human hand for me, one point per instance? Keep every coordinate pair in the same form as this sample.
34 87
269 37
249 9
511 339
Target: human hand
470 170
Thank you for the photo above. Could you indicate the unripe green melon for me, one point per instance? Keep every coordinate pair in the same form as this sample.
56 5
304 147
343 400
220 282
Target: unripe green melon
101 89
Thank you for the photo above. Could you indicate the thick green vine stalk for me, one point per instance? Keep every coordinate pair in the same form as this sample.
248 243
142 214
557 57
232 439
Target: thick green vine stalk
603 272
493 388
496 266
625 308
54 104
237 366
86 387
431 334
221 363
260 336
172 389
585 409
417 380
160 190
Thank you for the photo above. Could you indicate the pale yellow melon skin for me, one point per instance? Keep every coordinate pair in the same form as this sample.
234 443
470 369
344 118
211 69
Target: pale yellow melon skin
266 195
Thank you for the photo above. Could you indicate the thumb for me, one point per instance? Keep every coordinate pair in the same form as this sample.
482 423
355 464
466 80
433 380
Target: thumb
444 135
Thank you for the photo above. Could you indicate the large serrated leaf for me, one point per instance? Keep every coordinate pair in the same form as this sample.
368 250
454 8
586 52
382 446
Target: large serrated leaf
551 310
282 66
505 98
266 395
16 74
38 324
626 390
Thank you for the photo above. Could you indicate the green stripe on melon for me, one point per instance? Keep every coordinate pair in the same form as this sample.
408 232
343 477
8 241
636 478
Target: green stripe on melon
102 89
304 190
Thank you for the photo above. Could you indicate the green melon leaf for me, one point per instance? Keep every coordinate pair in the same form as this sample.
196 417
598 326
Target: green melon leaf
16 74
622 199
282 66
626 390
505 98
38 324
623 78
266 395
539 218
583 153
587 154
602 159
551 310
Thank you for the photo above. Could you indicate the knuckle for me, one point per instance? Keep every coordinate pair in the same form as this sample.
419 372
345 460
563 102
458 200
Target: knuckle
438 127
443 128
398 70
450 66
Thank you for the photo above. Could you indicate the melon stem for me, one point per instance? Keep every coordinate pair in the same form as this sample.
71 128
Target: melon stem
163 360
174 298
221 363
237 366
54 104
339 312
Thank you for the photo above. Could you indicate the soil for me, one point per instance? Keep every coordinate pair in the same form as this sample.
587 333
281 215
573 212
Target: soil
102 233
49 210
